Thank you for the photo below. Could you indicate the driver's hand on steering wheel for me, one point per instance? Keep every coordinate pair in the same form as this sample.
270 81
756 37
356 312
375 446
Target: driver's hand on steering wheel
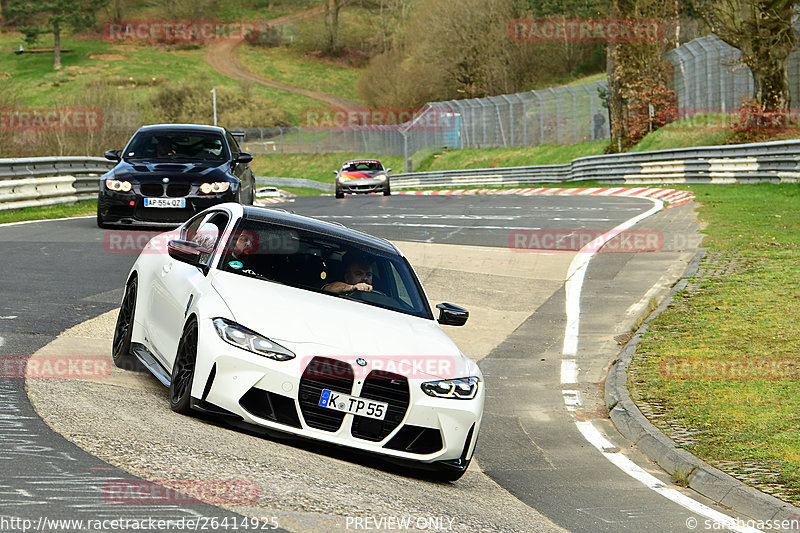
362 287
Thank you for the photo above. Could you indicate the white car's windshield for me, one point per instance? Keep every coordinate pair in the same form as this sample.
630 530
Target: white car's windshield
321 263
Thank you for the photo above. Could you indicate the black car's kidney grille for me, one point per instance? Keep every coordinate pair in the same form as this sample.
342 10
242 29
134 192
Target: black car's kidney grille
177 190
385 387
151 189
323 373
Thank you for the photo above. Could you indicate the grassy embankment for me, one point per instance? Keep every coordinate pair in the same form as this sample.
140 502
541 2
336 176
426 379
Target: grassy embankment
722 363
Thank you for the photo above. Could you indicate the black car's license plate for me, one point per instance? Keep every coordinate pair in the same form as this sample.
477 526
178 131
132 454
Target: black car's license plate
165 202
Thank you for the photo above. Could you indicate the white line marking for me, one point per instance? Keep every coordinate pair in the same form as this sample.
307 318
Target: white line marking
2 341
612 453
571 399
9 317
577 271
569 371
45 220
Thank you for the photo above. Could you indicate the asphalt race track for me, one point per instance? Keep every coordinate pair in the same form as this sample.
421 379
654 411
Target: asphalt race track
534 470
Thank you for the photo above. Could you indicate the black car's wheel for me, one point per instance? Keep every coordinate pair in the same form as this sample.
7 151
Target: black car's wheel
100 222
387 191
180 388
339 193
121 345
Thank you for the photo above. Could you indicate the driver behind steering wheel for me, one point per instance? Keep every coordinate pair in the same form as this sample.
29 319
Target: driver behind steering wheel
357 276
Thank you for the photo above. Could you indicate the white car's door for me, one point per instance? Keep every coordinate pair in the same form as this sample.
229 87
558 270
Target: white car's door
177 285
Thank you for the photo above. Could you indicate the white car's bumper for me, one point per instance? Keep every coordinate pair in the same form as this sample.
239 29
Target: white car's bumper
284 396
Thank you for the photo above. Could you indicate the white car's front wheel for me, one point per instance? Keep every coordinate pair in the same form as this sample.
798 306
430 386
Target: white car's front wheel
180 387
121 345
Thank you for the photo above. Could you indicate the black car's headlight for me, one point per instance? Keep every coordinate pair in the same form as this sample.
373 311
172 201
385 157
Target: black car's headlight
214 188
459 388
249 340
118 185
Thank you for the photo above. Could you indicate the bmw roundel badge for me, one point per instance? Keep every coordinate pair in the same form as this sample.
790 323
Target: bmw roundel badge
361 361
165 180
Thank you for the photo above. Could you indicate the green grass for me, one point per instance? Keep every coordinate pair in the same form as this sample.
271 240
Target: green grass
82 208
511 157
137 71
724 358
293 67
700 130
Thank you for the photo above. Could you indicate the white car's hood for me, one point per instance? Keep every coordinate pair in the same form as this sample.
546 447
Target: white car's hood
312 324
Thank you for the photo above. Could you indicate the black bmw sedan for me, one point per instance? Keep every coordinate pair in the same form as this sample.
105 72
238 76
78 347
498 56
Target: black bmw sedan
169 172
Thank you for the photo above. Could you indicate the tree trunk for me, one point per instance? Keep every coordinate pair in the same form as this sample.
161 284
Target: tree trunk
769 82
332 8
768 63
616 113
56 46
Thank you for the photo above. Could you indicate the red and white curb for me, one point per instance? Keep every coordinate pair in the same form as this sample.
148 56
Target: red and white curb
673 197
265 201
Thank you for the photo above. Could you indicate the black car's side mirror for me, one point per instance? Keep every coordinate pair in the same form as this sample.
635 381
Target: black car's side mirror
452 315
188 252
243 157
112 155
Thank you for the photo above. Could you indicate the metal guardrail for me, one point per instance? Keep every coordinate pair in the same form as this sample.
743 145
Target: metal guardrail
777 161
295 182
40 181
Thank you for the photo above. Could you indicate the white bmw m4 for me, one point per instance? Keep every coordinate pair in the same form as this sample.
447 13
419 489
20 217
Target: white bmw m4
285 323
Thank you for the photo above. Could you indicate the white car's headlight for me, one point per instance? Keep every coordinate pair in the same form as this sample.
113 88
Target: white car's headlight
214 188
382 177
243 338
460 388
117 185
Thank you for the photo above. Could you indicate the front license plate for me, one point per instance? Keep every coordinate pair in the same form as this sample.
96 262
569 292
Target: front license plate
165 202
353 405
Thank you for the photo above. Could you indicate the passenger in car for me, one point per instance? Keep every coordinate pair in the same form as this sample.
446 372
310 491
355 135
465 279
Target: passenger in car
164 149
243 253
357 276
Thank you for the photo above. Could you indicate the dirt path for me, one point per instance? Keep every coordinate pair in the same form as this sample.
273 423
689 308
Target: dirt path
223 57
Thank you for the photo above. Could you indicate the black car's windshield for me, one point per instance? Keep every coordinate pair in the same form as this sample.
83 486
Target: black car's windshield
320 263
176 145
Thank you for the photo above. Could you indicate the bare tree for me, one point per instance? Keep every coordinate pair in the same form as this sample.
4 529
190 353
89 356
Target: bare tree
332 8
762 30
